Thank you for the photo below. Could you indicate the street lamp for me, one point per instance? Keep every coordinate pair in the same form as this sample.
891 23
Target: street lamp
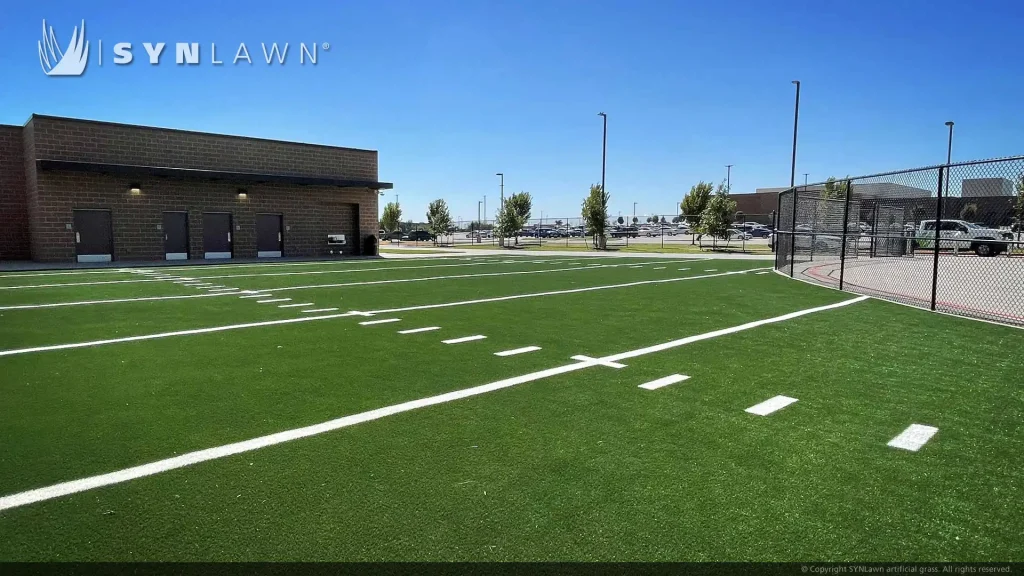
502 176
796 120
949 154
805 179
604 150
728 177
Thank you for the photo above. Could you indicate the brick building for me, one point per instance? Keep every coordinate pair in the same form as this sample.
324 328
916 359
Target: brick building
95 191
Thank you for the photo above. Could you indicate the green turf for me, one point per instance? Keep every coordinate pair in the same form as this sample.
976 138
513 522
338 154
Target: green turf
581 466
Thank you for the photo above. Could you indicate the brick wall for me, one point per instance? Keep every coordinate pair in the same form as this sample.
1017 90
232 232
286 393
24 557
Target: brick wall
89 141
309 214
14 227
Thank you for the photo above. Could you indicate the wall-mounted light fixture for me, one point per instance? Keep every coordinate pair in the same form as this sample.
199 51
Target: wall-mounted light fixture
134 190
242 194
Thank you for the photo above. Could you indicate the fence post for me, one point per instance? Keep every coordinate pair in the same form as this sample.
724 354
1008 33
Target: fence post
846 228
792 239
938 224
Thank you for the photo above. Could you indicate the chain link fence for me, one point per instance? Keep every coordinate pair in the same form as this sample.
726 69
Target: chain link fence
946 238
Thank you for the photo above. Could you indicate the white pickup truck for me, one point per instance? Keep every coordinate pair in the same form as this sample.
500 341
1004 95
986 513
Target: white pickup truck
962 235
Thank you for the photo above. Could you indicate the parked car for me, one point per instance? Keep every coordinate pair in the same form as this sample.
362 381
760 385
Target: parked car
736 234
959 234
625 232
759 232
419 236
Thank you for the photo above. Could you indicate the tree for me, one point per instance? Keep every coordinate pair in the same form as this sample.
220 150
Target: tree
663 220
595 214
969 212
558 223
391 218
439 219
513 215
695 202
716 217
675 219
621 220
635 220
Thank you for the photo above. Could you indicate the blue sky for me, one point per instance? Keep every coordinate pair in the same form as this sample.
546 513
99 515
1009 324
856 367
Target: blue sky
451 92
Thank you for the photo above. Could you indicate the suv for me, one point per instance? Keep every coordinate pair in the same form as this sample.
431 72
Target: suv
959 234
625 232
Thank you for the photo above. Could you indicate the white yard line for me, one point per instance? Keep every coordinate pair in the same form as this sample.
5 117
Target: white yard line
303 305
418 330
770 405
314 286
463 339
273 300
914 437
353 313
191 458
211 290
116 301
97 283
319 310
662 382
516 351
381 321
260 295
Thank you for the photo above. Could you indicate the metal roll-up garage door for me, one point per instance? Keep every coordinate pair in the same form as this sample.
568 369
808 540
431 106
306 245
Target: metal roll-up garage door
93 235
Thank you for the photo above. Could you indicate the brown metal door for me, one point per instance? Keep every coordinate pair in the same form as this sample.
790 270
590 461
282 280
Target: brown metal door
93 235
176 235
269 235
217 235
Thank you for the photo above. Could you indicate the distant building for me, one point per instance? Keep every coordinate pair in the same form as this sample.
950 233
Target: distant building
973 187
864 190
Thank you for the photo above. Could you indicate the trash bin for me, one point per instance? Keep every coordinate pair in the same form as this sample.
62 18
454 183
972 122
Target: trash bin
370 246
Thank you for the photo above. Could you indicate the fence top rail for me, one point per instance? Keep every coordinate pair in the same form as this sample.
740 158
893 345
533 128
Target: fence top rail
910 171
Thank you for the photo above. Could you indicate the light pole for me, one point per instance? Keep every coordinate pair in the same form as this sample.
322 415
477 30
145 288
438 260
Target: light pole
728 177
501 240
796 121
485 206
604 156
806 174
949 154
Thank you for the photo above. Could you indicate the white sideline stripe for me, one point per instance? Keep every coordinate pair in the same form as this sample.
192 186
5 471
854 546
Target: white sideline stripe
190 458
762 273
351 270
97 283
356 313
636 266
523 350
223 290
114 301
662 382
914 437
381 321
168 334
452 277
418 330
464 339
553 292
770 405
261 295
318 310
303 305
273 300
732 330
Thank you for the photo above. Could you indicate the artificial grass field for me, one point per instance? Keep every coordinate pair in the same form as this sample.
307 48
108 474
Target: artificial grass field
576 466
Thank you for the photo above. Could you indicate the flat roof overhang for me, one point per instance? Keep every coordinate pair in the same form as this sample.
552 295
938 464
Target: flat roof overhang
251 177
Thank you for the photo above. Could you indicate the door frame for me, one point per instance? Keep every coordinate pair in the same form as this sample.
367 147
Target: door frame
231 241
188 247
280 236
90 258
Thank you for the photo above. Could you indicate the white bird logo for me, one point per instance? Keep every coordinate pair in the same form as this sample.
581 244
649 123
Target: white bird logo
70 62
